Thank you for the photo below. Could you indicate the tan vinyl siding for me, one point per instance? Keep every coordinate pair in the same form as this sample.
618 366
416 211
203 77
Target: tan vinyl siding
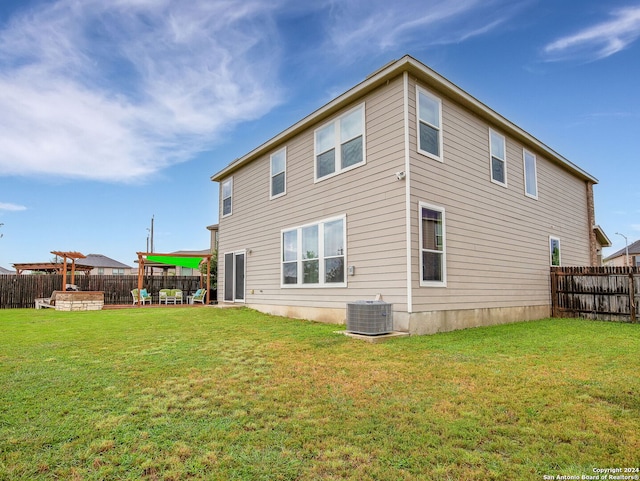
370 197
497 239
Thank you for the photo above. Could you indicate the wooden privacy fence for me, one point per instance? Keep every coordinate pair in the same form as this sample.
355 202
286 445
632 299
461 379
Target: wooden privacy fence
20 291
604 293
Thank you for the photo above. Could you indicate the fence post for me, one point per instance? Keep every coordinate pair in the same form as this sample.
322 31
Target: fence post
632 300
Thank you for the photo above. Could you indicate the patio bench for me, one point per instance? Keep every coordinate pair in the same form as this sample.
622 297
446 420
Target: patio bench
170 295
46 302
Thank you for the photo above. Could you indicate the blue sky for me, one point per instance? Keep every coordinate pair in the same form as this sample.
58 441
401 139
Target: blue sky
111 112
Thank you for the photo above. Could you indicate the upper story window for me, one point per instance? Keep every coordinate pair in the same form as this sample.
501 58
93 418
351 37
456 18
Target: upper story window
339 145
227 194
279 173
432 246
498 158
314 255
530 174
429 124
554 251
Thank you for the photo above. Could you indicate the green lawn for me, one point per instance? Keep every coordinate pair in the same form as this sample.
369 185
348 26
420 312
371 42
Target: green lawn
236 395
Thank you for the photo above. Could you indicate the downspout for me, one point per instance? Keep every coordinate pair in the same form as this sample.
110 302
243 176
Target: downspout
208 279
407 185
591 221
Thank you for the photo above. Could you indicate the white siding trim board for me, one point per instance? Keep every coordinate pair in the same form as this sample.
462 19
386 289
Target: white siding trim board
407 206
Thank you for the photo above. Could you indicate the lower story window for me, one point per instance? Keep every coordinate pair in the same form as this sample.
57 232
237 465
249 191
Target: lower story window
432 246
554 250
314 255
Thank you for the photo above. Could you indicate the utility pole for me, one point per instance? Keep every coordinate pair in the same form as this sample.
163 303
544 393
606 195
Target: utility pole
152 232
1 224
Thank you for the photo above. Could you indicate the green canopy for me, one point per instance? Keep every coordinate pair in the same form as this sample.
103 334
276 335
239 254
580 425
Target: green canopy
192 262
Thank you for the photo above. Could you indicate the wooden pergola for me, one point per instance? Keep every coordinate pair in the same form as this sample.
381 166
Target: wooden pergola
65 256
143 255
57 267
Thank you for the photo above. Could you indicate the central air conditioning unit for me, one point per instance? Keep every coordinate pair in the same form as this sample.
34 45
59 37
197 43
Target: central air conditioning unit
371 318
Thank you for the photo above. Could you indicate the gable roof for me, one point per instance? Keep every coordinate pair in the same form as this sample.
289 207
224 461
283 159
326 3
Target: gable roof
99 260
6 271
633 250
426 76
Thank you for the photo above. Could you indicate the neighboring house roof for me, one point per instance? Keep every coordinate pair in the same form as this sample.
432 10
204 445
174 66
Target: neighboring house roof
6 271
634 249
191 253
99 260
433 80
52 267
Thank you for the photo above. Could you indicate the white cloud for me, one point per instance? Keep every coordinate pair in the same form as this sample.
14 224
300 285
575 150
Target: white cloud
366 25
11 207
601 40
118 90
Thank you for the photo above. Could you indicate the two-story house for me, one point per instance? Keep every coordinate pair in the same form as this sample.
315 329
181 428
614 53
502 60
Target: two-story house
103 265
409 189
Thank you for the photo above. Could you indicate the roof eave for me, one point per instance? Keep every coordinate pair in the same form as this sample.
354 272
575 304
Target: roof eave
602 237
434 80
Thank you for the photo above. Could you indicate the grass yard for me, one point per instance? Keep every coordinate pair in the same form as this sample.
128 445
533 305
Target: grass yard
173 394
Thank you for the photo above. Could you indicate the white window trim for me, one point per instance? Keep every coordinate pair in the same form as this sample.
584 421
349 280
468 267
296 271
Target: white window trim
337 144
439 158
284 192
504 142
443 282
321 259
551 253
535 172
229 180
244 273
